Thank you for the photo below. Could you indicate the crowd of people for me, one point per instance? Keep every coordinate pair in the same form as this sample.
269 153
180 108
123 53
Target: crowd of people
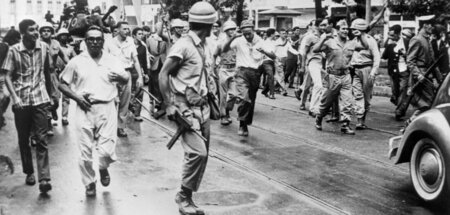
188 63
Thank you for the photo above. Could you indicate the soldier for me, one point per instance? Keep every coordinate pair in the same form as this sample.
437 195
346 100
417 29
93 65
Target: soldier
183 82
26 68
122 46
227 71
338 83
91 79
419 58
250 50
366 63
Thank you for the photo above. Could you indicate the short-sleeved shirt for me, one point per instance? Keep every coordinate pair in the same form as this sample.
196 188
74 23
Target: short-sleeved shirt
337 53
281 48
246 53
125 51
87 77
370 56
190 72
269 46
69 52
27 69
306 47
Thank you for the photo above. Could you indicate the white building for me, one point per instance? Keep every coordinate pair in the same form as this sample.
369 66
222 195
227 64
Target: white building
13 11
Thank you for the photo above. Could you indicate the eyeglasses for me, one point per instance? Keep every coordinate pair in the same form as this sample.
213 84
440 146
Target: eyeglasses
94 39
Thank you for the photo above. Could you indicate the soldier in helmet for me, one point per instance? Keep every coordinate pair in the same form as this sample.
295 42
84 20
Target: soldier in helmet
183 83
227 71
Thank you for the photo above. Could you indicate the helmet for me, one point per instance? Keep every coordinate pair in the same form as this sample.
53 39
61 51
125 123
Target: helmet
229 25
359 24
46 25
177 23
247 24
62 31
203 12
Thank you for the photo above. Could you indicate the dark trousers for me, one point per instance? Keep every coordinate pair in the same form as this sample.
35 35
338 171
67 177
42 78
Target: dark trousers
247 82
403 99
28 119
291 69
395 85
269 83
153 86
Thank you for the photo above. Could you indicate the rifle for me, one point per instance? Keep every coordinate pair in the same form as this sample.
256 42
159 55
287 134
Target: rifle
157 114
427 73
183 126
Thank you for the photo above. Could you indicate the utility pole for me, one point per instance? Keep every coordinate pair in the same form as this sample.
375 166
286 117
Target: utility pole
368 11
319 13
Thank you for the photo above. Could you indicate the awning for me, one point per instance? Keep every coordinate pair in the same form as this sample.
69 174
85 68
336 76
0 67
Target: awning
280 12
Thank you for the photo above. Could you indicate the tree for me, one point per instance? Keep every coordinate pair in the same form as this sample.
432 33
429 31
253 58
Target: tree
177 7
420 7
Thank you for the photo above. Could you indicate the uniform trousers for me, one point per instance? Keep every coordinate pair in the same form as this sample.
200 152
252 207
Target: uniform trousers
96 129
124 102
247 82
32 120
315 71
362 90
227 89
337 88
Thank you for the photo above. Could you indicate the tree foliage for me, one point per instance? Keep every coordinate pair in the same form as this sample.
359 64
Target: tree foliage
177 7
420 7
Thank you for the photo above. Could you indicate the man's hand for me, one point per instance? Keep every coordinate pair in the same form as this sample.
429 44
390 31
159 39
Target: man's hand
139 82
83 103
372 76
114 77
17 103
420 77
326 36
171 110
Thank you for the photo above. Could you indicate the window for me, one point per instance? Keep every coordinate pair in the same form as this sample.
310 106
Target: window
145 1
29 7
39 6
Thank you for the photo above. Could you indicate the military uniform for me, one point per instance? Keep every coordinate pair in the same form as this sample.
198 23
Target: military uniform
227 85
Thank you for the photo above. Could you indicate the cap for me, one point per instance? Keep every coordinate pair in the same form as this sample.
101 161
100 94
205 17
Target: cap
247 23
407 33
177 23
203 12
62 31
359 24
46 25
229 25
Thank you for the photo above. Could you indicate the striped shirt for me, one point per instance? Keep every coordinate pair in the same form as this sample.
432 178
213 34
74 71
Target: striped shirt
27 69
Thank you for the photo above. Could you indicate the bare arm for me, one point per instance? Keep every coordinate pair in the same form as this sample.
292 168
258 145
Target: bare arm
226 47
318 47
16 100
81 101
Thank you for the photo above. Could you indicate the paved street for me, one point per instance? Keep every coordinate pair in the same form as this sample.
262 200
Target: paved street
285 166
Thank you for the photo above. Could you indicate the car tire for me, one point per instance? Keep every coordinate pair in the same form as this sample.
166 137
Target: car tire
428 170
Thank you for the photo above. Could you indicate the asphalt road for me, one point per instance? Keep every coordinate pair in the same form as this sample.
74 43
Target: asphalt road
285 166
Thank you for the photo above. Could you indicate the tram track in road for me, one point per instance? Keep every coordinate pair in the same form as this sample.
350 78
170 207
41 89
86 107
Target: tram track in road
328 208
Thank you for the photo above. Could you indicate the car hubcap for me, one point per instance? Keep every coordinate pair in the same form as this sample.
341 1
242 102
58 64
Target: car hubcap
430 169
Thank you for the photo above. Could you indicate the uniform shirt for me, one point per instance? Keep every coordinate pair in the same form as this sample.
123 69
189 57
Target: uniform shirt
246 53
229 57
157 47
69 52
125 51
420 53
337 54
27 69
87 77
189 73
306 47
365 57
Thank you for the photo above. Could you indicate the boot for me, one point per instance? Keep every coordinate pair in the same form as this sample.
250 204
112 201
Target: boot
186 205
360 125
345 129
318 123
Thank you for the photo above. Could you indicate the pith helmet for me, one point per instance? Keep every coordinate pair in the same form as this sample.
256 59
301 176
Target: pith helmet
359 24
46 25
177 23
203 12
229 25
62 31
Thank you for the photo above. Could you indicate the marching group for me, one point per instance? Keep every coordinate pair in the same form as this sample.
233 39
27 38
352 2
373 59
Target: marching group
183 63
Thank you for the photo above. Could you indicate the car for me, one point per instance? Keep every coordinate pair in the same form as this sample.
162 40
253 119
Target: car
425 144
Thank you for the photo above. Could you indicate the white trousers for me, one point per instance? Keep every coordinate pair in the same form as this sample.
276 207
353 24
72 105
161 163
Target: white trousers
315 71
96 129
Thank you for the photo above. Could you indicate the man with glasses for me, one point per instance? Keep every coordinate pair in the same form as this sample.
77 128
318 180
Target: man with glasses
122 46
366 63
91 80
26 80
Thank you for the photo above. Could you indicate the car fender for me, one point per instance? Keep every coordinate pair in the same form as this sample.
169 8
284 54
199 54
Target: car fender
433 124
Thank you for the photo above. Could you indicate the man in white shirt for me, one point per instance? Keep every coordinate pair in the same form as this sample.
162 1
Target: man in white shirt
122 46
249 54
91 79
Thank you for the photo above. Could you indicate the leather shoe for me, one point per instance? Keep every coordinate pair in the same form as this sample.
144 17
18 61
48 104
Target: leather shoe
311 114
45 186
105 179
360 127
121 132
64 121
243 130
302 107
318 123
298 94
186 206
30 180
272 96
333 119
225 121
345 129
265 94
90 190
